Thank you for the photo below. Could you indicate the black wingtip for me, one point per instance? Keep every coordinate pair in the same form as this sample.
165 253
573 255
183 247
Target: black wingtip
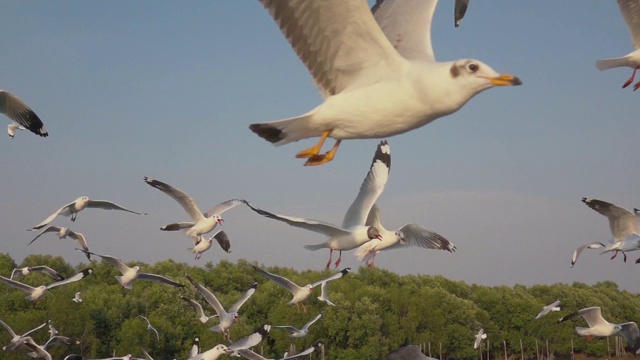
254 285
268 132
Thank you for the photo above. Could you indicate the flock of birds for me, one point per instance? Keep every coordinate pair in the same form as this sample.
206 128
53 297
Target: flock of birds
377 73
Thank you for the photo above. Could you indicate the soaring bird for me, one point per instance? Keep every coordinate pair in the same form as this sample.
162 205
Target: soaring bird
205 244
227 319
375 68
15 343
38 292
201 223
300 293
407 235
150 327
130 274
353 232
18 111
63 232
481 335
21 272
554 306
630 10
72 209
298 333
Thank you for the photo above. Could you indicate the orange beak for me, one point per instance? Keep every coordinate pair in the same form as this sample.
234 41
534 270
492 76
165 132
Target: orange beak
504 80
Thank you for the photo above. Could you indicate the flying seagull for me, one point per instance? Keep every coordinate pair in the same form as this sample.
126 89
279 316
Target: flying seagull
14 344
72 209
460 8
195 348
600 327
205 244
554 306
624 225
581 248
63 232
324 294
150 327
245 343
630 10
227 319
408 235
20 272
37 292
18 111
250 355
77 299
300 293
11 129
203 318
130 274
353 231
201 223
298 333
479 337
375 68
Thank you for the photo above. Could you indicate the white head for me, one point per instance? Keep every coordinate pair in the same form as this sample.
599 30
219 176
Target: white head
218 218
400 236
82 201
479 76
373 233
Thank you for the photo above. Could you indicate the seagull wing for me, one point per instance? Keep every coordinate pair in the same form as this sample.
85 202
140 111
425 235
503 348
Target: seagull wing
305 352
580 248
222 207
630 10
146 355
622 222
17 285
74 278
49 271
250 355
35 328
288 328
335 276
188 204
306 326
416 235
50 228
46 221
324 294
80 239
223 240
18 110
592 315
235 307
108 205
407 25
460 8
119 264
282 281
338 41
371 187
308 224
208 296
158 279
10 330
54 340
250 340
195 304
631 333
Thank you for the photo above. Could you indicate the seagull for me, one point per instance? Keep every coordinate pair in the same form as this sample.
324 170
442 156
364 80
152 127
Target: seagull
353 231
18 111
598 326
200 223
227 319
52 331
38 351
29 269
150 327
130 274
146 355
298 333
38 292
72 209
375 68
14 344
630 10
63 232
549 308
460 8
479 337
77 299
250 355
195 348
203 318
579 249
623 224
299 293
324 294
245 343
408 235
11 129
205 244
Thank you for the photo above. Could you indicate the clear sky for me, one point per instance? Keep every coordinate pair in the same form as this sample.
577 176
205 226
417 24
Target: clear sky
160 89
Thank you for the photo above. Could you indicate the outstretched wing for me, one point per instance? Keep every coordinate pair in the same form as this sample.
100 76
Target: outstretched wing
188 204
18 110
222 207
49 271
159 279
208 296
108 205
79 276
416 235
50 228
335 276
236 306
46 221
630 10
622 222
282 281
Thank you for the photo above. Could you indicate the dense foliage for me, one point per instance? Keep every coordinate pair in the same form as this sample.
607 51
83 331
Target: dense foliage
377 311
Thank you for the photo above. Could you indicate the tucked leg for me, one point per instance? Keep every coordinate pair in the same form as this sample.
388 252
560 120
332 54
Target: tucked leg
330 256
324 158
628 82
314 150
339 259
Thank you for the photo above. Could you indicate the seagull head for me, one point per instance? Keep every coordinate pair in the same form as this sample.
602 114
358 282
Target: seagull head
479 75
82 202
373 233
219 219
309 288
136 268
236 317
400 236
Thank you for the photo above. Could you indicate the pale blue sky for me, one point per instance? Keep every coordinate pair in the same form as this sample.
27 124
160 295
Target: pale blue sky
160 89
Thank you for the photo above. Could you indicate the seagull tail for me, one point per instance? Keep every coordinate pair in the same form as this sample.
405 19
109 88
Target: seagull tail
606 64
215 328
316 247
285 131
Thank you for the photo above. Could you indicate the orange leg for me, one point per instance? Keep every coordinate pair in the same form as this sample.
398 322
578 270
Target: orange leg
339 259
330 256
324 158
314 150
628 82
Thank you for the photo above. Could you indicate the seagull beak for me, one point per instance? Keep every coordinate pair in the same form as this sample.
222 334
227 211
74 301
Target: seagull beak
379 237
220 221
504 80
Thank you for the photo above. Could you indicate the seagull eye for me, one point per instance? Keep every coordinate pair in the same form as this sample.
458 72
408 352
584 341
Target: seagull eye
473 67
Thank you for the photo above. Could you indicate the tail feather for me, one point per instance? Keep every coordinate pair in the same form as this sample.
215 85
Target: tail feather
316 247
285 131
215 328
606 64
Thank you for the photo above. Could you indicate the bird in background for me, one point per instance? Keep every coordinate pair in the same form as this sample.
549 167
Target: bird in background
298 333
25 271
630 10
21 115
35 293
150 327
554 306
63 232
